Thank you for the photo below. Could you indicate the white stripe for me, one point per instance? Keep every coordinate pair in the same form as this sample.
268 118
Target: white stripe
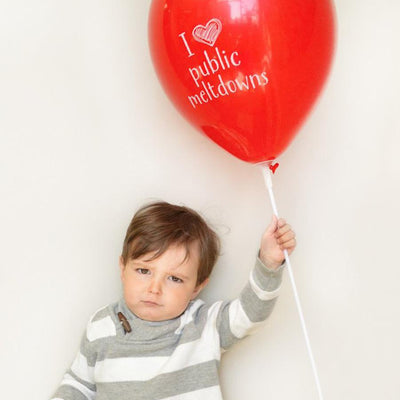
187 317
144 368
129 369
210 393
70 381
213 313
239 322
82 370
102 328
263 294
211 330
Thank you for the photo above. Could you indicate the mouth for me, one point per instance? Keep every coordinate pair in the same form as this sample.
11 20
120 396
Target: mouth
150 303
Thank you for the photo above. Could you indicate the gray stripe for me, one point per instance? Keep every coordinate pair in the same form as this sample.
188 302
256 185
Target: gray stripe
197 377
88 350
90 386
104 312
267 279
127 347
226 337
67 392
257 310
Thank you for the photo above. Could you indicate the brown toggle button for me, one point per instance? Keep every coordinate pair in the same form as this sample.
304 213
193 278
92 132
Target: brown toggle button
124 322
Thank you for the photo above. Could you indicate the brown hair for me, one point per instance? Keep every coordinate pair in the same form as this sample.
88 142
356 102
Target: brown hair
156 226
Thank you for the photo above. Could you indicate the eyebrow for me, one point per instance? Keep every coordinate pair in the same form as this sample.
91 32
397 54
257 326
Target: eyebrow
139 262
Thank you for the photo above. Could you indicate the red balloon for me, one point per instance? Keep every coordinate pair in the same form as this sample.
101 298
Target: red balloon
244 72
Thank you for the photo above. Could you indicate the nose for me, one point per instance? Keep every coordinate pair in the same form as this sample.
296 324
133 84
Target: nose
155 286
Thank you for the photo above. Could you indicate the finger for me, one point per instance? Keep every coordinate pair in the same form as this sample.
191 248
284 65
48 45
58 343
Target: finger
288 245
283 230
286 237
273 225
281 222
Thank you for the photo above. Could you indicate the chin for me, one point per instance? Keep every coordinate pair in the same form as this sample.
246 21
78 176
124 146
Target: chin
159 318
152 317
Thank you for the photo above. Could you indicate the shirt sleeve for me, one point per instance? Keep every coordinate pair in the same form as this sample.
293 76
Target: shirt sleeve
242 316
78 381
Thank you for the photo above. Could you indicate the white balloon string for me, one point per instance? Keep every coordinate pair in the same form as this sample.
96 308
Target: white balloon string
268 182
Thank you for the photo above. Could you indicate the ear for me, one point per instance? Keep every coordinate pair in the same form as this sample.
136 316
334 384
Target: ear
121 266
199 288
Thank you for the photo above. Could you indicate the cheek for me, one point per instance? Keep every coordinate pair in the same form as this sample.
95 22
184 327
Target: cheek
181 296
131 285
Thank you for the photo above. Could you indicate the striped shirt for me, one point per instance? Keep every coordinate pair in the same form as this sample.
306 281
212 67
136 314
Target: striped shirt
176 359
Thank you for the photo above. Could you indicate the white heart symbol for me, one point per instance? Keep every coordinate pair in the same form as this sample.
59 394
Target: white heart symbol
208 34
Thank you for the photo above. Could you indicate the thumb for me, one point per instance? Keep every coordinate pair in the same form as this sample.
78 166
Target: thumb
273 225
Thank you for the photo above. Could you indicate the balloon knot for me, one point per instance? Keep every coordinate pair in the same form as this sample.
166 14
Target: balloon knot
274 167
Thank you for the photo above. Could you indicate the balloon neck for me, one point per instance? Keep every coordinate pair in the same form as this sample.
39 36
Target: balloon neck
270 164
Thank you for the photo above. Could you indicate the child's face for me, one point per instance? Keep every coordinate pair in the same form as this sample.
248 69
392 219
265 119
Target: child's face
161 289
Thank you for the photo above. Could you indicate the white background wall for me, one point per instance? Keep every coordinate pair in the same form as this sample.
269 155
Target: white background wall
87 135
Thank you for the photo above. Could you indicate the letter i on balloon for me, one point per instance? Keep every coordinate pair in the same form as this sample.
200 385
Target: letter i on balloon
245 73
182 36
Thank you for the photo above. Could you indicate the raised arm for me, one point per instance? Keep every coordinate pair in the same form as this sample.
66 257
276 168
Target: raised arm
240 317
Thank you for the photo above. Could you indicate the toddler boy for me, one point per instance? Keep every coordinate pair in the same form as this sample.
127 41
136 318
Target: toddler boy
159 341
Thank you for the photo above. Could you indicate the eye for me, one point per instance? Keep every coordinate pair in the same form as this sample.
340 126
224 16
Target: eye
143 271
175 279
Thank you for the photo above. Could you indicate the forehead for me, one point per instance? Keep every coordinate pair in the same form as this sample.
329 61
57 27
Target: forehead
175 257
